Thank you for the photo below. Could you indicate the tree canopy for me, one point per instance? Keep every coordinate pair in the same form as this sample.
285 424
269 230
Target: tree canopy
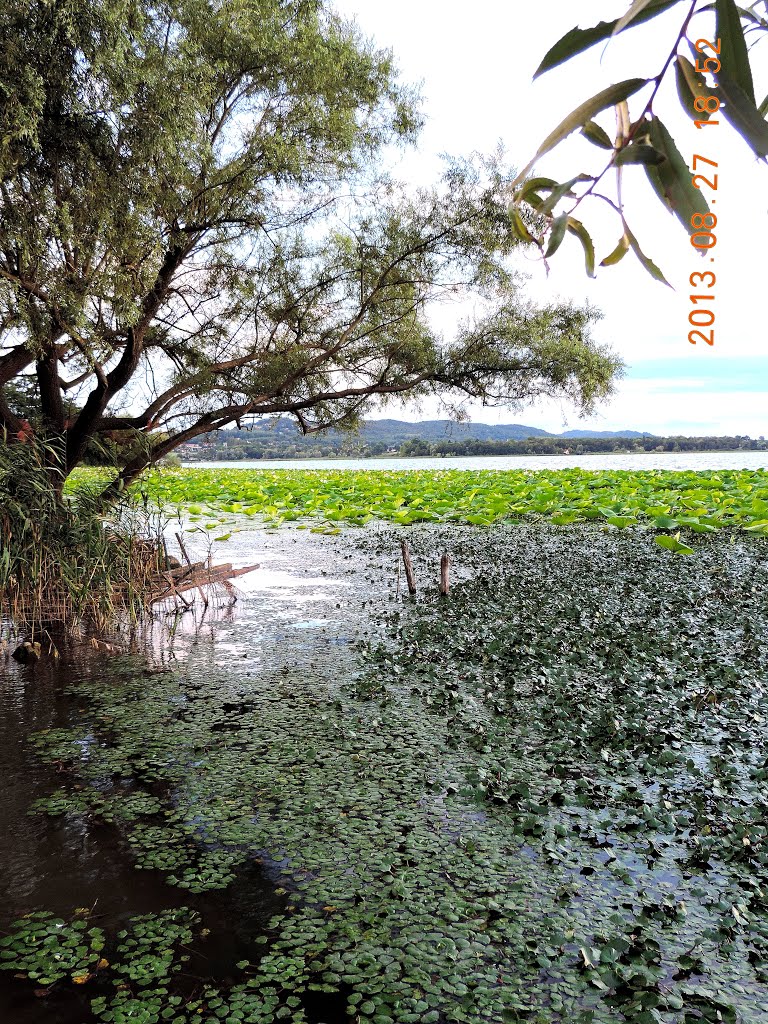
196 229
714 73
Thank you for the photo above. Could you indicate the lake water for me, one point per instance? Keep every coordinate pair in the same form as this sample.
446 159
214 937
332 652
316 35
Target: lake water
595 461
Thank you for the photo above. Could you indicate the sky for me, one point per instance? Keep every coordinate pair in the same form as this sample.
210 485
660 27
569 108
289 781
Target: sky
475 63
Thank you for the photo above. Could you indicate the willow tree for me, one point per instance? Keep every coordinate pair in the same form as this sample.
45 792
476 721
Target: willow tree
196 229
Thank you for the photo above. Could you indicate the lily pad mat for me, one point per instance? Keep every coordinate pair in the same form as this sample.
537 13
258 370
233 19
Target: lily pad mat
543 799
702 501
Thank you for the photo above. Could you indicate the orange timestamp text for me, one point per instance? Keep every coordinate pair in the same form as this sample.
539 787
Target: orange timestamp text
702 235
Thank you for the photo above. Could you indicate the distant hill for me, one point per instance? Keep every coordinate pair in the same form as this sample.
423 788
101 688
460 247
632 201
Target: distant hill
394 432
439 430
281 438
603 433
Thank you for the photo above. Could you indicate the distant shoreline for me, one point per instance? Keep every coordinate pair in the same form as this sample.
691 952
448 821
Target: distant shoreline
391 457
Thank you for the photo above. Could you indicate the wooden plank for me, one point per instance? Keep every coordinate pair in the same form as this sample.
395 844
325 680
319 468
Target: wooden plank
206 577
244 570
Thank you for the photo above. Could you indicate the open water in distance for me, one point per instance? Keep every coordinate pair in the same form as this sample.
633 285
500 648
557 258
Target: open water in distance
594 461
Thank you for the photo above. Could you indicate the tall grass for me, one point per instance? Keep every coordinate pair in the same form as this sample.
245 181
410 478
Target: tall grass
62 563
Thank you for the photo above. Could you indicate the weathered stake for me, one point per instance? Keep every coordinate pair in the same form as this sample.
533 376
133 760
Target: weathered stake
408 567
445 564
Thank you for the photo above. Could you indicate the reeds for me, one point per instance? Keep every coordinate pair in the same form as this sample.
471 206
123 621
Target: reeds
63 564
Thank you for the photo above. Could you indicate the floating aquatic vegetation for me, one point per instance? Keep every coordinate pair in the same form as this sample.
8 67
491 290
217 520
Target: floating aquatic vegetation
668 500
542 800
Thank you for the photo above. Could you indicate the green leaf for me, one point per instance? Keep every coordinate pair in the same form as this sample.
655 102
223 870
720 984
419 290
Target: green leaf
636 8
597 135
622 247
578 229
734 56
556 234
637 153
587 956
648 263
562 190
672 179
519 225
535 185
580 39
673 544
763 108
743 114
664 522
584 112
745 13
690 84
622 522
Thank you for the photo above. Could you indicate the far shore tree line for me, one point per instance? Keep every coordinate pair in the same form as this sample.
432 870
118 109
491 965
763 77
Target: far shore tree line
237 447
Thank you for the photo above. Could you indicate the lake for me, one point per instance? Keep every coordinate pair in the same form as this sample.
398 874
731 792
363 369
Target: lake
595 461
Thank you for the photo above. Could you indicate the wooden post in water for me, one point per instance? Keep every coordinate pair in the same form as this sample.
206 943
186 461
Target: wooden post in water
408 567
445 564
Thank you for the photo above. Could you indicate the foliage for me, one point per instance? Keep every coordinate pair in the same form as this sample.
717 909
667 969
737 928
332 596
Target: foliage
579 445
482 821
137 963
725 73
47 949
703 502
196 228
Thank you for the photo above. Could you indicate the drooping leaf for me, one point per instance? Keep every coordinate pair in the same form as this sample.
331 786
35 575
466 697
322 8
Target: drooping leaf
672 179
556 234
743 114
646 261
690 84
744 12
519 225
535 184
623 122
580 39
622 247
596 135
584 112
734 56
636 9
562 190
763 108
578 229
637 153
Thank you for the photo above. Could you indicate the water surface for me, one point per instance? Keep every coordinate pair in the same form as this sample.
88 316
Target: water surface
592 461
